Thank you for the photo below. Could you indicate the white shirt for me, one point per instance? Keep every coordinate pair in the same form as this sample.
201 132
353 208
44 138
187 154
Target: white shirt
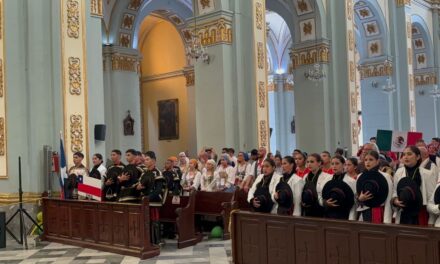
230 179
242 170
296 183
429 181
207 183
192 179
433 209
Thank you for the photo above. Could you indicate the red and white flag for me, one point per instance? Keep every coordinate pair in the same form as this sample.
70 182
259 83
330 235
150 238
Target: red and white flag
89 186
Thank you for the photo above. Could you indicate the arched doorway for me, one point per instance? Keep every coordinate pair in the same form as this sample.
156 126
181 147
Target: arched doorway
164 95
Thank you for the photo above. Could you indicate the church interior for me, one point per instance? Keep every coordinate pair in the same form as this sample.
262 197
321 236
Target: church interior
219 131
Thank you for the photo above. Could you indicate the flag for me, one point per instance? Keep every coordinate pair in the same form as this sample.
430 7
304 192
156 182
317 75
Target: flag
89 186
396 141
63 168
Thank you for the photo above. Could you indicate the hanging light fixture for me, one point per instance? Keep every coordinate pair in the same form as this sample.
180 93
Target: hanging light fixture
316 73
435 93
389 87
195 49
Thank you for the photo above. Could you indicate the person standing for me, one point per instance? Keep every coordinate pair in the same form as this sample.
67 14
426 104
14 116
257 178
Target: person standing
111 183
99 170
77 170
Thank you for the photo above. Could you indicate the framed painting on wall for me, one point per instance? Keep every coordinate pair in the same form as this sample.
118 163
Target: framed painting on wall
168 111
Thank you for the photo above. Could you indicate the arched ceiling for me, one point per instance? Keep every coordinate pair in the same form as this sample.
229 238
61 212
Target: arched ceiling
372 33
279 41
421 44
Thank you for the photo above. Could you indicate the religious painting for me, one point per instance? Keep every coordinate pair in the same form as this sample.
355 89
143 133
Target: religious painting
128 125
176 20
307 29
168 111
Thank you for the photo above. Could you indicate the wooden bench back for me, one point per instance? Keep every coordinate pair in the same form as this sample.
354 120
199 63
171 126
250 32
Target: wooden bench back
211 203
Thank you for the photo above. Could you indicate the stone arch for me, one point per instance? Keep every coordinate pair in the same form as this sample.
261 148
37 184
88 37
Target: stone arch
373 34
126 17
421 43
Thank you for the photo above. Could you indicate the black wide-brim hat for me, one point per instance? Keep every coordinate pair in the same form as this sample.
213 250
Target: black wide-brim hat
437 195
376 184
285 195
409 193
266 203
341 192
309 196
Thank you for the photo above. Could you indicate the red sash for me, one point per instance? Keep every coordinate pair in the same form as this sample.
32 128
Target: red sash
377 215
423 217
154 214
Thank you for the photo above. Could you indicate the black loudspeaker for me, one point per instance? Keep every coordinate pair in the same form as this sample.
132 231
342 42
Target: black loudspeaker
2 229
100 132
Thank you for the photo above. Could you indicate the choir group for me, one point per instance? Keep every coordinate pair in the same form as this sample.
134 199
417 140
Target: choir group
375 186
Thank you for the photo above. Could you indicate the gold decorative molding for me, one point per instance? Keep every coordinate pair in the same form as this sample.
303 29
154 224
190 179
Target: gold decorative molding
400 3
74 76
411 82
190 77
353 102
408 28
352 71
96 8
287 87
350 40
262 94
425 79
355 133
375 70
124 62
76 133
214 32
28 197
2 137
410 56
259 16
263 134
3 117
349 9
73 25
1 78
261 55
310 55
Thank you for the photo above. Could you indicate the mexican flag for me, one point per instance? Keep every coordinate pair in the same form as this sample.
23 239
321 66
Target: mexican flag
396 141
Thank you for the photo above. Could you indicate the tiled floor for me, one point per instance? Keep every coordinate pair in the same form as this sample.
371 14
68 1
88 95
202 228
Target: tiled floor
208 251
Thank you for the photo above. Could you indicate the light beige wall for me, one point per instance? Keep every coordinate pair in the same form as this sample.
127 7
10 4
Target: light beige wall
163 52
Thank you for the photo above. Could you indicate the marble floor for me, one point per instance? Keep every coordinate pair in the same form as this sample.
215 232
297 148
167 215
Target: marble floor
208 251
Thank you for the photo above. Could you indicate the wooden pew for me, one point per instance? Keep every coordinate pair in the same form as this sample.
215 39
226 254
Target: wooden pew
182 216
215 204
119 228
267 238
240 200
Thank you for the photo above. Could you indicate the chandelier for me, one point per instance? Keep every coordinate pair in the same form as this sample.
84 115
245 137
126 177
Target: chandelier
315 74
435 93
389 87
195 49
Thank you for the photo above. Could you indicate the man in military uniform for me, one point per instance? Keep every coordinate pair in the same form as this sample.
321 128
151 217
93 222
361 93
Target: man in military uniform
172 177
153 185
111 184
129 178
78 169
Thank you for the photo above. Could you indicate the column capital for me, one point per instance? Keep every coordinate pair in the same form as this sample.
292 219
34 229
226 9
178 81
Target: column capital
122 59
310 54
189 75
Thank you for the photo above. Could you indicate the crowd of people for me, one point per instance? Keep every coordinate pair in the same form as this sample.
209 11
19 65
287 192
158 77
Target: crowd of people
375 186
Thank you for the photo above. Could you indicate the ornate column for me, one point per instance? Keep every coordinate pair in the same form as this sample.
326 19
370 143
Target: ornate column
403 61
436 47
122 94
3 135
74 77
259 29
289 118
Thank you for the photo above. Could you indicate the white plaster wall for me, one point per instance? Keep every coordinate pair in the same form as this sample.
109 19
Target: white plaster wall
425 113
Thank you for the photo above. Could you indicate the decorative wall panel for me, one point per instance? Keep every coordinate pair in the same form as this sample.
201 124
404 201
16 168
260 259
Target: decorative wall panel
74 79
3 118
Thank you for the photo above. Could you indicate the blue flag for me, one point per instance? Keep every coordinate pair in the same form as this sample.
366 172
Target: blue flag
63 168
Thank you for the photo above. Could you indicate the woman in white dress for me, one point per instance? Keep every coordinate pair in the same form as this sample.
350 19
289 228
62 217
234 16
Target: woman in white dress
207 181
191 178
